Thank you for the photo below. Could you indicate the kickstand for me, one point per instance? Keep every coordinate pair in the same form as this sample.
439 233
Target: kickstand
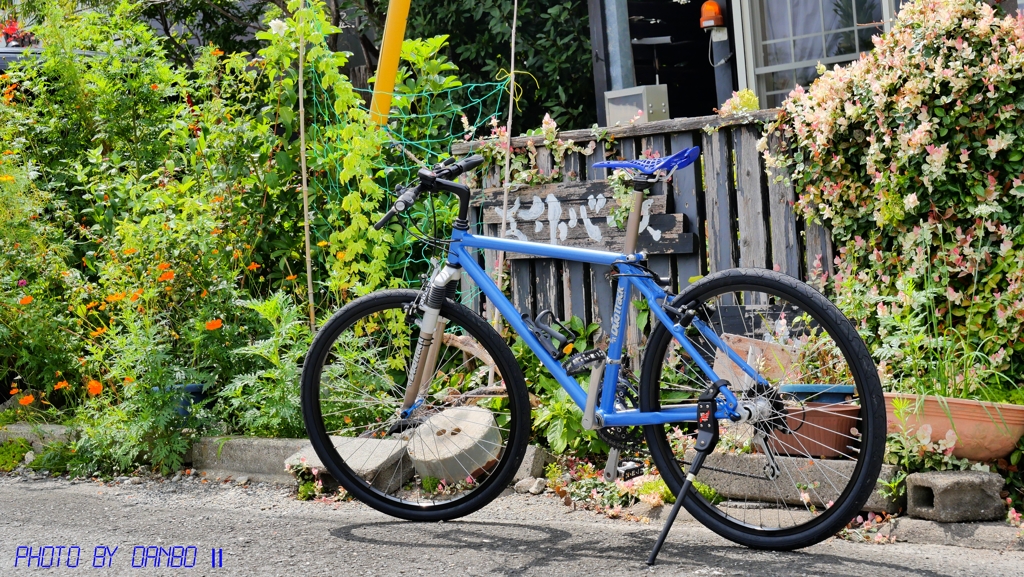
707 438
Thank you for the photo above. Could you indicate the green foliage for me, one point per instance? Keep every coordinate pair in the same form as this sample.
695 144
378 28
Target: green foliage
266 402
913 157
1010 469
557 418
553 45
430 484
12 453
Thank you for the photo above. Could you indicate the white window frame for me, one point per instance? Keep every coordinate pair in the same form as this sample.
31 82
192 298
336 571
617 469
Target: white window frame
746 20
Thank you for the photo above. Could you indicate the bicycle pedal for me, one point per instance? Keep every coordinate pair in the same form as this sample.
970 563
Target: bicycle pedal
628 470
578 362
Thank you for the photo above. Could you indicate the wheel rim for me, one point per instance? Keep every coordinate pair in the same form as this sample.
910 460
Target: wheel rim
451 446
818 463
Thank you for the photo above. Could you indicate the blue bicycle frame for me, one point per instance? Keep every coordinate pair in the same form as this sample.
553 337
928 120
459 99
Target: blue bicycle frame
459 254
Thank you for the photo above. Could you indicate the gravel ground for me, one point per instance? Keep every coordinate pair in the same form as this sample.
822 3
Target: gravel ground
263 530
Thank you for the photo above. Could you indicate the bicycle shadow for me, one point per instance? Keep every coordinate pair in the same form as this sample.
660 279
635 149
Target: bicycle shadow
541 550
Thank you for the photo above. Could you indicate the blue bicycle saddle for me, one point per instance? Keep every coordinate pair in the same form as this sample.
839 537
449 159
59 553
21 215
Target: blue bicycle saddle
680 159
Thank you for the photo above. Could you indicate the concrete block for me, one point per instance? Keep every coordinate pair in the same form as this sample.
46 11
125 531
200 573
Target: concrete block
955 496
262 460
456 443
383 463
38 435
533 463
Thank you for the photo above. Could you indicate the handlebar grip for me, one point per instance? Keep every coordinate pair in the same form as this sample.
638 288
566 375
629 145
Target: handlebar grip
380 223
464 165
407 199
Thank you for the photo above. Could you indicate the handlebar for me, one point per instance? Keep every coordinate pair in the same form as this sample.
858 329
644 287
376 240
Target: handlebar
428 178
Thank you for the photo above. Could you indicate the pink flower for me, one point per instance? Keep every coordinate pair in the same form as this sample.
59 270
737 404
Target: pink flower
22 282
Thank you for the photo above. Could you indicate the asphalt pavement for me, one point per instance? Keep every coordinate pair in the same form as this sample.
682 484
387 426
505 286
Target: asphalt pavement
194 528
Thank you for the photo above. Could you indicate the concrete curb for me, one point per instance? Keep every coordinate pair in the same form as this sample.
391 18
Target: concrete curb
38 435
262 460
995 536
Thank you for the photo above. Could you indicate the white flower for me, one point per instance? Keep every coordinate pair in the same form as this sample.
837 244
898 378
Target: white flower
910 201
1000 142
278 27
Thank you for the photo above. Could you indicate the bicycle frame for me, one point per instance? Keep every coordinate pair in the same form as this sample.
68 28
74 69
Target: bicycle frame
632 276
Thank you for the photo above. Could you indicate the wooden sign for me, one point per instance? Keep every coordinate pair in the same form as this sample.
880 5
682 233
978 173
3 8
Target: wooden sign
576 214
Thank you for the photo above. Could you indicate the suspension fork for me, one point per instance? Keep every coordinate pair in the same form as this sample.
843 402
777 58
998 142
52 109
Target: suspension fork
428 345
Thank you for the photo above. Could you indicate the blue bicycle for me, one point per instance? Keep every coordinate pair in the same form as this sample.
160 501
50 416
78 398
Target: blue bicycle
756 398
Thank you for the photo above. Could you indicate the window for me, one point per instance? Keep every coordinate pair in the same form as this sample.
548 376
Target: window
790 38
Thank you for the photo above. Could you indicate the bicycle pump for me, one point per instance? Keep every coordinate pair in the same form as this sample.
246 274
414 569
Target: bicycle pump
707 438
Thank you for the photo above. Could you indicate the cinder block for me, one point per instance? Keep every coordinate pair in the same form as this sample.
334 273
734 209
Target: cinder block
955 496
533 463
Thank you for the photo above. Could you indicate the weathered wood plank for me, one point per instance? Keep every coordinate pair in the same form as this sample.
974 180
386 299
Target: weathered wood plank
545 163
655 144
577 275
571 167
753 231
597 156
817 249
545 286
602 298
785 245
522 286
627 148
686 199
541 203
470 294
718 182
641 129
669 228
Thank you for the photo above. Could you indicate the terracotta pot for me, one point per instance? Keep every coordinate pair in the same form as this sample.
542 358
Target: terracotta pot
821 430
985 431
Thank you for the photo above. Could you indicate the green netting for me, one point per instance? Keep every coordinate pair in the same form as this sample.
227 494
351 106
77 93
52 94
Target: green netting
421 130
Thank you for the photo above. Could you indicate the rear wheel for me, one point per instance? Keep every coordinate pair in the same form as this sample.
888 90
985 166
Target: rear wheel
456 450
806 466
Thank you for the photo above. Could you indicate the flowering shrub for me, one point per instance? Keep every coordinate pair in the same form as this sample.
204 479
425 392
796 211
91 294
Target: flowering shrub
913 157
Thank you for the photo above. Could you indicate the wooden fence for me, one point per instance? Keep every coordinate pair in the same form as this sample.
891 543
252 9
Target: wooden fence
719 213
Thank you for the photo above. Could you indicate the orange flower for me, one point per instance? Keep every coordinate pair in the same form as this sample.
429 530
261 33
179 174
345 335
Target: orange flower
98 332
214 324
217 52
130 251
26 400
163 266
27 299
253 266
203 294
169 275
95 387
91 305
216 231
135 295
115 297
154 86
129 380
14 390
61 385
217 199
291 277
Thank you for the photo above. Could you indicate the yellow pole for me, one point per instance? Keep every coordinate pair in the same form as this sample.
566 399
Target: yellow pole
387 66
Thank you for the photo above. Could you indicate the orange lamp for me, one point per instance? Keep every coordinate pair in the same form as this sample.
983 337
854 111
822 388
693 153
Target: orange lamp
711 15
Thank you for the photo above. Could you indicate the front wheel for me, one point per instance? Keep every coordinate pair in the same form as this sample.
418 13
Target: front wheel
801 470
455 449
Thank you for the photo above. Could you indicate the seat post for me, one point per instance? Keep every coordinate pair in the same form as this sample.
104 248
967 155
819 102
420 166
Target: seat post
640 184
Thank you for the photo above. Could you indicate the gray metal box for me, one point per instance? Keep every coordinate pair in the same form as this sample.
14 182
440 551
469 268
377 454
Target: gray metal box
622 105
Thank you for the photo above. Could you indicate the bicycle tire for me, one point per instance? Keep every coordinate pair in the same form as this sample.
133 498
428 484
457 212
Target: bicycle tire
720 509
327 396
